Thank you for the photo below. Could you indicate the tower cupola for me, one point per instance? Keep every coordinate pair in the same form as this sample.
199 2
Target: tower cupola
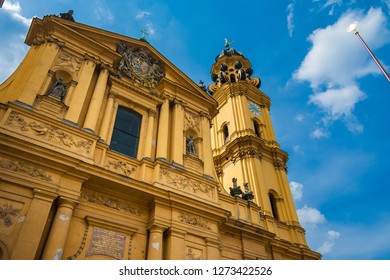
231 67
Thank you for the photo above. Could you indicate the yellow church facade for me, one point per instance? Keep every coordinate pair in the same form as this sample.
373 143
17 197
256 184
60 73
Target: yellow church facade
109 151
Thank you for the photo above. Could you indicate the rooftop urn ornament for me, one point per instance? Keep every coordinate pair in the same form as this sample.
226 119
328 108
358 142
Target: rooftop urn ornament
352 28
235 191
248 195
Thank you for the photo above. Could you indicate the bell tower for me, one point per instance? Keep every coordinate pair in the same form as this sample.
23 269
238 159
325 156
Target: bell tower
244 145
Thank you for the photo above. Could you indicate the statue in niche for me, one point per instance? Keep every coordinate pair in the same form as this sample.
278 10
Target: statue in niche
58 89
190 145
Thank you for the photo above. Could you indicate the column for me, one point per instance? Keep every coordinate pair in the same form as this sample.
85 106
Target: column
76 104
163 129
175 244
33 226
207 150
177 132
149 143
97 100
59 230
107 118
155 246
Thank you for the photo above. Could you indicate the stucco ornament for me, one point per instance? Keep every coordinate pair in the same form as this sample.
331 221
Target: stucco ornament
139 65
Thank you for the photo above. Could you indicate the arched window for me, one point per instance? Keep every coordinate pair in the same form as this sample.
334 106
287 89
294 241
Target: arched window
274 206
225 133
257 128
125 137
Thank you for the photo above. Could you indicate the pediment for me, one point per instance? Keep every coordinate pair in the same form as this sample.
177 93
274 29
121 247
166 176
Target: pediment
133 59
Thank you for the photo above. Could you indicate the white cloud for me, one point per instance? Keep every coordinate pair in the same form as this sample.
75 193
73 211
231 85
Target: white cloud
143 14
296 190
11 55
332 4
300 117
102 12
336 61
150 29
319 132
310 217
14 9
328 244
290 18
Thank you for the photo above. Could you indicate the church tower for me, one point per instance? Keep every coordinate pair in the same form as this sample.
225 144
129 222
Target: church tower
244 145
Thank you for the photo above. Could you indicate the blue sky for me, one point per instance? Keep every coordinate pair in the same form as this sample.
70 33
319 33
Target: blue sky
330 102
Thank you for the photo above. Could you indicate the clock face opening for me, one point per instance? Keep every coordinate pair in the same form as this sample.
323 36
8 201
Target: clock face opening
254 108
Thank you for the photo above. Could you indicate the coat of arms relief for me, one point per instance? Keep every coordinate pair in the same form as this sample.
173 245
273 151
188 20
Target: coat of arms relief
139 65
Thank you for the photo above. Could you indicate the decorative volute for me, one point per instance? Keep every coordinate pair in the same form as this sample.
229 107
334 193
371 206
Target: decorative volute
231 67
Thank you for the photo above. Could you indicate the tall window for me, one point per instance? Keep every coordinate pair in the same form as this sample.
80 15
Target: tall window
257 128
125 136
274 207
225 133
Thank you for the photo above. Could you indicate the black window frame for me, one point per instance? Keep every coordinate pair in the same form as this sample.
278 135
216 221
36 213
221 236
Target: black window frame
126 132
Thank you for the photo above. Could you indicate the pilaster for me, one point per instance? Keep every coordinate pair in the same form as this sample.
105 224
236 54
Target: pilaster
163 131
97 100
177 146
149 143
77 103
33 226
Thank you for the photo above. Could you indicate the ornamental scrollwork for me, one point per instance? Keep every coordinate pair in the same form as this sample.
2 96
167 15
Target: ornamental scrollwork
69 62
7 215
191 120
120 167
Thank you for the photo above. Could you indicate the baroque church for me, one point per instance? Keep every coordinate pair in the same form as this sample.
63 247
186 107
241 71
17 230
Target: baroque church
109 151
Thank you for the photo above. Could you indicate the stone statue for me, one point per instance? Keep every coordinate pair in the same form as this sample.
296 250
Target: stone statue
58 89
68 15
228 44
190 145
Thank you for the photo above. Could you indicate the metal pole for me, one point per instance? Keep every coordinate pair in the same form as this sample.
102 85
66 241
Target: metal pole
373 56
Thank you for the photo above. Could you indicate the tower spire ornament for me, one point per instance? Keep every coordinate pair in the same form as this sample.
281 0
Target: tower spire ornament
143 37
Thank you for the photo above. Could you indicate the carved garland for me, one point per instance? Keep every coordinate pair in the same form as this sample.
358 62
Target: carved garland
108 201
185 184
49 133
22 167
